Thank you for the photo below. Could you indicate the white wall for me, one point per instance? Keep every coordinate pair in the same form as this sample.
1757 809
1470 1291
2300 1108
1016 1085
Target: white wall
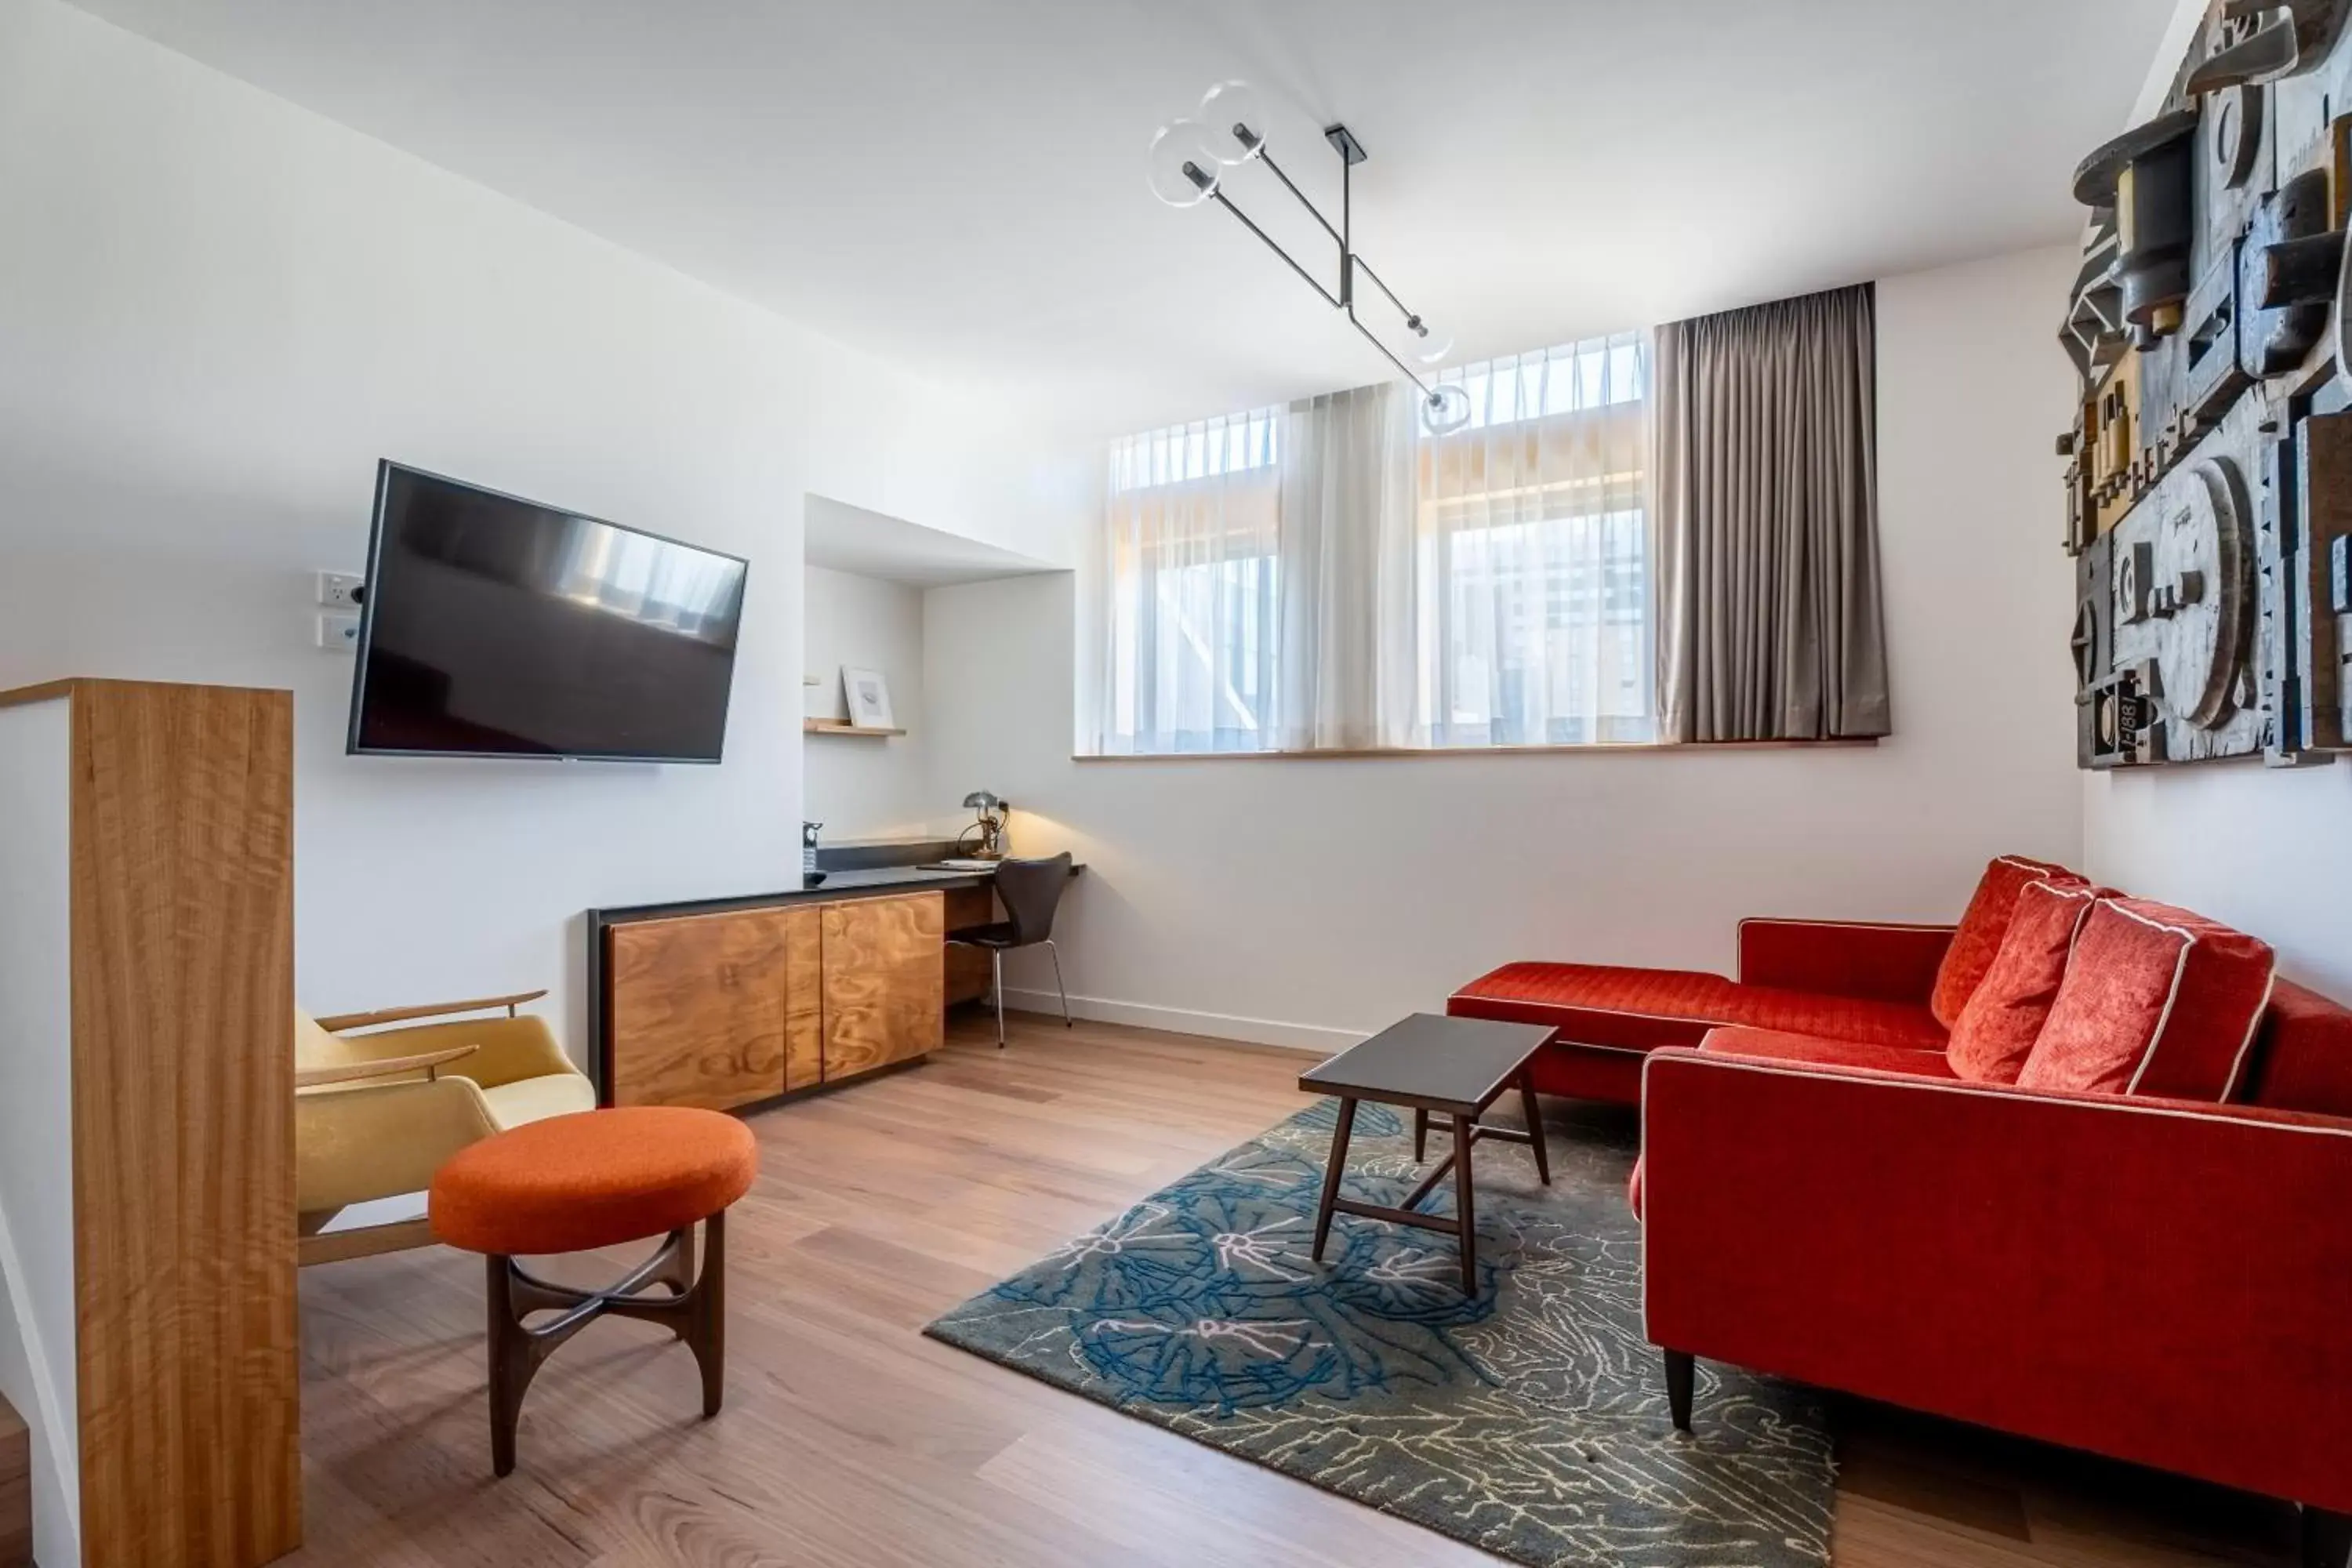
1299 900
38 1369
857 786
2267 850
218 310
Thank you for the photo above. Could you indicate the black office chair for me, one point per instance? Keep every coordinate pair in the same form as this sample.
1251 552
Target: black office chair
1030 890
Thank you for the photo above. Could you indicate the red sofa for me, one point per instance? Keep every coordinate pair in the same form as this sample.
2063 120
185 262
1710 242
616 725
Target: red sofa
2161 1277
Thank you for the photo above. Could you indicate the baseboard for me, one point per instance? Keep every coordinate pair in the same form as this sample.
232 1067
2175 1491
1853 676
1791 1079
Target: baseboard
1307 1039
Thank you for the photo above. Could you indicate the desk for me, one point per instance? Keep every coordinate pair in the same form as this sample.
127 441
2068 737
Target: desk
732 1004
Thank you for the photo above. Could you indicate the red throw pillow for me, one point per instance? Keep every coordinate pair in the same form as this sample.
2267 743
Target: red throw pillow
1996 1031
2156 1001
1982 927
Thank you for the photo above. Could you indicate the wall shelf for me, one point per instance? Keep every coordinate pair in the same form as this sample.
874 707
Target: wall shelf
838 727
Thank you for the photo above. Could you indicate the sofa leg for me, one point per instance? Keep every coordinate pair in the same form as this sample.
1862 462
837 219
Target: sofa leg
2327 1539
1681 1374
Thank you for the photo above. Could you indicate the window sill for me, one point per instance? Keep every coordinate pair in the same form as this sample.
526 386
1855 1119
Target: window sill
1619 748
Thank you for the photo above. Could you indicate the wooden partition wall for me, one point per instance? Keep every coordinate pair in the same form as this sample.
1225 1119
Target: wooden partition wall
148 1332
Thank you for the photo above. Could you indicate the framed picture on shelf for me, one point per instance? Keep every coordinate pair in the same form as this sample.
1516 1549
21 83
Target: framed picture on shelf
868 694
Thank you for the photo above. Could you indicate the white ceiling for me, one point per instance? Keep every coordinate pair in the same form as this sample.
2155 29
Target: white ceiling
844 538
960 186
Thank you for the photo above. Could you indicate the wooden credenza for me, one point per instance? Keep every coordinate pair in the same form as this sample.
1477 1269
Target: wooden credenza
739 1006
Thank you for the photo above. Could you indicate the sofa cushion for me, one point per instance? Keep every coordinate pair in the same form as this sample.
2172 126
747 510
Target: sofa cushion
1776 1045
1978 939
2156 1000
1996 1030
1618 1009
2302 1055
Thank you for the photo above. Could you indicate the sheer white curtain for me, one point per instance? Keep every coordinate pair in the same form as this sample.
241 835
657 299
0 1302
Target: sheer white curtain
1345 664
1187 591
1531 565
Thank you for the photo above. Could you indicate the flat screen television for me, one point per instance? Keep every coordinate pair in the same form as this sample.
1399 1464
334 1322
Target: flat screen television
491 627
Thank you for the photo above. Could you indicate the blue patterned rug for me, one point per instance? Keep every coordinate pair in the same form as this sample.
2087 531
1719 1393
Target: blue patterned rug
1530 1422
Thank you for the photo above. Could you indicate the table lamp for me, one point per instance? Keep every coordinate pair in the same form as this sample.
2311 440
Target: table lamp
990 828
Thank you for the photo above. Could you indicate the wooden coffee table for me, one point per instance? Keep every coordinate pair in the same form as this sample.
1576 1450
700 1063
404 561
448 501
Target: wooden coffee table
1453 1066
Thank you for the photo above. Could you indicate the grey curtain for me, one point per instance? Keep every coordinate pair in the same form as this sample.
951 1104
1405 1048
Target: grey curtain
1765 500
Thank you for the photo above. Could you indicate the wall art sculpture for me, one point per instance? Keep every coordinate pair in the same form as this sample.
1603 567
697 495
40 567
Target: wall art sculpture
2211 482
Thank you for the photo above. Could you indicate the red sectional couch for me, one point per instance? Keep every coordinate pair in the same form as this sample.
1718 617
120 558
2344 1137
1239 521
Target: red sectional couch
2149 1254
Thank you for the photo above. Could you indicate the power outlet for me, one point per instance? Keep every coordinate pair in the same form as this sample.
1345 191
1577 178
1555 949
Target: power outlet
339 590
339 634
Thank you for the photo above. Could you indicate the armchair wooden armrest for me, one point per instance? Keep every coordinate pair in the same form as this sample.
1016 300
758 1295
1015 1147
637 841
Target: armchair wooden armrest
427 1062
339 1022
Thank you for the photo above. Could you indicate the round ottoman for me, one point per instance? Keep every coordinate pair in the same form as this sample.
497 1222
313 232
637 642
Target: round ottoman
597 1178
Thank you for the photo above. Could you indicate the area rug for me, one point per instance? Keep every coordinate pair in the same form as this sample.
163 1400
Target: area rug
1530 1421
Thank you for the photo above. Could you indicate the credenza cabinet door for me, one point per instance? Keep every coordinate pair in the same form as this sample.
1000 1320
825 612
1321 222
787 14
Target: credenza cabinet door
803 998
702 1007
885 981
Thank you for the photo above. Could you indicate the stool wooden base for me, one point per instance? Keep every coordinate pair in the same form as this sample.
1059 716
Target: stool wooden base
694 1308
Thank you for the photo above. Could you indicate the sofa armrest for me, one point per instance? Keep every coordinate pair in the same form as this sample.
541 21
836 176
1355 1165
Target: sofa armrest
1880 962
2161 1282
506 1049
355 1142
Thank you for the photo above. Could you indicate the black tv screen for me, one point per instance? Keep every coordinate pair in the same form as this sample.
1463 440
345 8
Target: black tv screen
497 627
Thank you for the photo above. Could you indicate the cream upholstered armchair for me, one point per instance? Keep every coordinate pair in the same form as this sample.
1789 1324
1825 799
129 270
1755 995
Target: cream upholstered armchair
376 1113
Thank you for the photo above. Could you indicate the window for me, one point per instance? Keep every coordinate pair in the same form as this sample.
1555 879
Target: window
1532 607
1500 573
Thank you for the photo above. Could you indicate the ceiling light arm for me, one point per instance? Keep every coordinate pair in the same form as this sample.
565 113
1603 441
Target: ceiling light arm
1267 240
1351 153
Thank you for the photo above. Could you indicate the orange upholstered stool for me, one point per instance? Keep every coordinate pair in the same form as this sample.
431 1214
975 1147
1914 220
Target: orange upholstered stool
597 1178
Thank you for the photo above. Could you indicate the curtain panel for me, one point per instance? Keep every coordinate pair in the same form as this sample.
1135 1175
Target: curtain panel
1186 593
1765 497
1345 565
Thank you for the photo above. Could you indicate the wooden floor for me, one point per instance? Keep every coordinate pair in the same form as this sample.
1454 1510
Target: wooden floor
848 1440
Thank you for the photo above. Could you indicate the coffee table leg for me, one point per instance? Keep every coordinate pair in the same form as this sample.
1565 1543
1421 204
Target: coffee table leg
1534 1127
1420 1134
1464 1216
1339 1136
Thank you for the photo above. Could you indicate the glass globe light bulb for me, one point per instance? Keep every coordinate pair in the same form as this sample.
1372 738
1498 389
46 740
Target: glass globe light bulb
1445 410
1183 172
1235 117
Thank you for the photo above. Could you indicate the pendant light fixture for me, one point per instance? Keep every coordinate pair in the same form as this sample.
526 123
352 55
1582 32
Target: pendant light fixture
1187 166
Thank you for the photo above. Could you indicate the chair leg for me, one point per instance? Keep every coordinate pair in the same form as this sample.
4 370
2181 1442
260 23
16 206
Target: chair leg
514 1361
705 1332
2327 1539
1057 983
996 955
1420 1135
1682 1373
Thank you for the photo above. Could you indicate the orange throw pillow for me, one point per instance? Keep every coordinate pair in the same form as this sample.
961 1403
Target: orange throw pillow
1996 1031
1982 927
2156 1000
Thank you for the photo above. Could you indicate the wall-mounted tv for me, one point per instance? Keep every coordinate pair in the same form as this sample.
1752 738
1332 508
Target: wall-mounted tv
497 627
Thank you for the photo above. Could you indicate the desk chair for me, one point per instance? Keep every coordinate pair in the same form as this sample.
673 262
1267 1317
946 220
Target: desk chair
1030 890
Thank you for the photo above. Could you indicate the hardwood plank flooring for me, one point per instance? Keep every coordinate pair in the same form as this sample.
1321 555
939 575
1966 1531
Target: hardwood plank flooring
849 1441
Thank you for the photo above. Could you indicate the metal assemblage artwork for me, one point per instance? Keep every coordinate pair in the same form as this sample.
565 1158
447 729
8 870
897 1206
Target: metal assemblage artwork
2210 487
